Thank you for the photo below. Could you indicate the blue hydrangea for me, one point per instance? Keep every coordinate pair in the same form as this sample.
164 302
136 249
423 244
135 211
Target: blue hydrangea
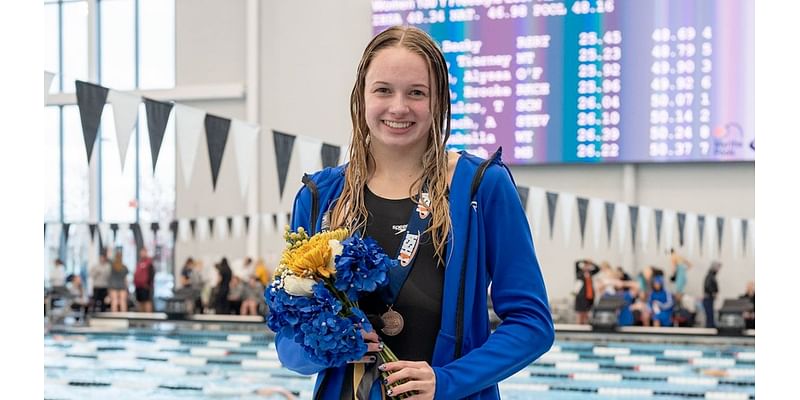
330 339
362 267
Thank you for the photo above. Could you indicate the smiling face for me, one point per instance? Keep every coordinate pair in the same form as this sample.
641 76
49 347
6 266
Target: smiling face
397 98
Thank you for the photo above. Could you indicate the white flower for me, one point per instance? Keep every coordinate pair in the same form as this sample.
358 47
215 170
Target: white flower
336 249
297 286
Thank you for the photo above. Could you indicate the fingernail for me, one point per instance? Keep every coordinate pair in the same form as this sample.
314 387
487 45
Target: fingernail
382 367
380 345
389 392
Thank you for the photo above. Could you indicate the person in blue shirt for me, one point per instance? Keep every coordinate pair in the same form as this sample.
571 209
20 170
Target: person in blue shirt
477 235
661 303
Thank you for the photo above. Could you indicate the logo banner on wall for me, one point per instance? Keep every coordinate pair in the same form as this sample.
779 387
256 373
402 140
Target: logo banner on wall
329 155
681 224
634 217
216 137
552 201
126 111
91 101
720 225
245 140
157 118
284 143
583 205
523 192
701 224
609 219
188 127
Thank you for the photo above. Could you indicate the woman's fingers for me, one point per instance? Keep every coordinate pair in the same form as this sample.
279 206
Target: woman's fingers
370 336
367 359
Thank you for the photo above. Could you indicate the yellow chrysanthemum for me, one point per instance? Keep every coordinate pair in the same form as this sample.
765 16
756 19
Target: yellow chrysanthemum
312 258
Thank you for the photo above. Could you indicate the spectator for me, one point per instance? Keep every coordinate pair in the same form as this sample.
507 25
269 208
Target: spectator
685 311
253 298
661 303
680 266
143 279
58 274
584 289
606 280
100 275
236 294
645 278
261 272
641 310
710 291
186 272
750 294
221 303
118 284
80 299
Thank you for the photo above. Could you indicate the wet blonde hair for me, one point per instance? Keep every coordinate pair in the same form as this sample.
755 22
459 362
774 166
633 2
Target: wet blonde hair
350 211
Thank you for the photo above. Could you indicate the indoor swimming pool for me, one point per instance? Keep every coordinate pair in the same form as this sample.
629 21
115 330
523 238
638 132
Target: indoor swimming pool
191 364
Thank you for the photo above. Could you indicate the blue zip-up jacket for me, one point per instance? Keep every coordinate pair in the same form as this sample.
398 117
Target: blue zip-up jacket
491 243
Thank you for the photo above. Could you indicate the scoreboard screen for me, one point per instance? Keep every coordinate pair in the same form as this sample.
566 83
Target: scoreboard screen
589 81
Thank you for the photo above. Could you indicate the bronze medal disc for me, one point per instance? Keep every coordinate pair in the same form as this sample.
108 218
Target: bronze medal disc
392 322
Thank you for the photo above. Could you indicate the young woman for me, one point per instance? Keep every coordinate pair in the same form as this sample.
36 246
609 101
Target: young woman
400 177
118 284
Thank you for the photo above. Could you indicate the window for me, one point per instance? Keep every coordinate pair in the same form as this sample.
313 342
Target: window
74 44
52 164
118 44
76 168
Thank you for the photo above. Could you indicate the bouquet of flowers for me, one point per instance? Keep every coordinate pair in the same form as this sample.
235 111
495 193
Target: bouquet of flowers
314 295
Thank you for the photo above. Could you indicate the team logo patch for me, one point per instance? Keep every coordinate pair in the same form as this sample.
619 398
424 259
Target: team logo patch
408 249
424 209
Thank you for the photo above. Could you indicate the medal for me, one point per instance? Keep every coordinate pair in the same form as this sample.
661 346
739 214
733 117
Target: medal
392 322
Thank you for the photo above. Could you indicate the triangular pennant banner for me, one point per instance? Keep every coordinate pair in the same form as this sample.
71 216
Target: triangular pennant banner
720 225
283 155
659 217
523 192
188 127
137 235
309 150
173 227
566 211
609 219
247 224
681 224
126 110
193 226
48 81
216 136
537 205
154 226
114 229
329 155
596 214
701 224
552 201
230 224
245 140
744 237
669 228
634 217
622 226
211 227
92 229
91 101
644 220
583 205
691 221
65 232
736 226
157 118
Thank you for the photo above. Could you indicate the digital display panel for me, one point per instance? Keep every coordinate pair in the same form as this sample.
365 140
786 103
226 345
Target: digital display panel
590 81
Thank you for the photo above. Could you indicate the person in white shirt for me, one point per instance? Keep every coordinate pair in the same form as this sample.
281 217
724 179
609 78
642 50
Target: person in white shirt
100 275
58 274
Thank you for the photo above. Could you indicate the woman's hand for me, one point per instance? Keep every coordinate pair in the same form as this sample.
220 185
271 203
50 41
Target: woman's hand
419 376
374 345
